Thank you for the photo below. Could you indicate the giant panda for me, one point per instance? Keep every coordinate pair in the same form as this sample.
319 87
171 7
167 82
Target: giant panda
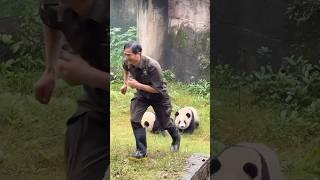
186 119
246 161
150 122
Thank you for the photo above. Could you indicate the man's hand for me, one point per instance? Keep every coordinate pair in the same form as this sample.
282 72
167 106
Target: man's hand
44 86
76 71
72 68
124 89
133 83
136 85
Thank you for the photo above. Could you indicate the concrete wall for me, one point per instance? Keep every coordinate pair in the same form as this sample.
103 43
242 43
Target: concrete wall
189 39
176 32
123 13
153 27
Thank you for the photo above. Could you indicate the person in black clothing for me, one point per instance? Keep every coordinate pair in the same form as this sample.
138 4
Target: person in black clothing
145 75
75 34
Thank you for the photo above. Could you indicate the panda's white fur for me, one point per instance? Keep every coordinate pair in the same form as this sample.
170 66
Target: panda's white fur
247 161
187 119
150 122
147 120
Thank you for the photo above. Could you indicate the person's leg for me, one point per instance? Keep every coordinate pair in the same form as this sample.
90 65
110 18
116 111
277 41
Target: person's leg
162 109
138 107
87 146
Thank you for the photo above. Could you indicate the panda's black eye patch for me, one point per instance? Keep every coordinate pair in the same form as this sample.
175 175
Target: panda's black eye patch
215 165
251 170
188 115
146 124
176 114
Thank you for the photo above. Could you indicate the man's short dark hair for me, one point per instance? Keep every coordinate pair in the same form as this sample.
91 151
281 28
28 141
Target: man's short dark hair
135 47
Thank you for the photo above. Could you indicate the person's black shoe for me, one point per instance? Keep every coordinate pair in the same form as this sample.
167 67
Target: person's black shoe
137 156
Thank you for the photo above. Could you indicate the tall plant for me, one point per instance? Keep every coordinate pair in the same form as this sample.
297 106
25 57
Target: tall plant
118 39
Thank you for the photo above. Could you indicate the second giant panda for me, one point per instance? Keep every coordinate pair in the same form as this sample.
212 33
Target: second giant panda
187 119
149 121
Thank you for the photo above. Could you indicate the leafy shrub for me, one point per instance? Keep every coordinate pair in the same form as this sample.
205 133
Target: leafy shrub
295 85
118 39
25 47
169 75
201 88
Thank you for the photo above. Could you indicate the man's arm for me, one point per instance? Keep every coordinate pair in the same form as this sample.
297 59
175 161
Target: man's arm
147 88
52 41
44 86
125 77
124 87
137 85
75 70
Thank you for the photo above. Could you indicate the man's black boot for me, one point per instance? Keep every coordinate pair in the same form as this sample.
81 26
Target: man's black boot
141 144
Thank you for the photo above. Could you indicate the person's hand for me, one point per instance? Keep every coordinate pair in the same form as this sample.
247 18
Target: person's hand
43 88
124 89
133 83
73 69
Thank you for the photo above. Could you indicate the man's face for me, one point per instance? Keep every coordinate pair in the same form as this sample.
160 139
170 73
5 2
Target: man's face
131 57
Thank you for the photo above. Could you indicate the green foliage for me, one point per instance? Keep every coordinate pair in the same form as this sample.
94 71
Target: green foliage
222 75
17 8
182 38
169 76
118 39
303 11
295 85
201 88
290 96
24 47
313 166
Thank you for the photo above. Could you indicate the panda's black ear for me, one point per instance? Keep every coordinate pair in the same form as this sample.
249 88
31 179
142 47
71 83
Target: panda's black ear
215 165
188 115
176 114
251 170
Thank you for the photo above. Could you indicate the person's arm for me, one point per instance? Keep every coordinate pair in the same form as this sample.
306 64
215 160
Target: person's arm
75 70
147 88
124 87
44 86
97 78
137 85
125 77
52 41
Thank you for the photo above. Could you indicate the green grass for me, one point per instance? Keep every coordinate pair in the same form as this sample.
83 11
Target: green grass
236 123
161 162
31 134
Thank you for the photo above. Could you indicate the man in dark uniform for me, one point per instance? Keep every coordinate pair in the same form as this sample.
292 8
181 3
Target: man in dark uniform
147 79
83 61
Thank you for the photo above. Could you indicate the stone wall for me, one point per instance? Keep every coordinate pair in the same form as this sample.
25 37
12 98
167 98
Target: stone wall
189 39
153 27
176 32
123 13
